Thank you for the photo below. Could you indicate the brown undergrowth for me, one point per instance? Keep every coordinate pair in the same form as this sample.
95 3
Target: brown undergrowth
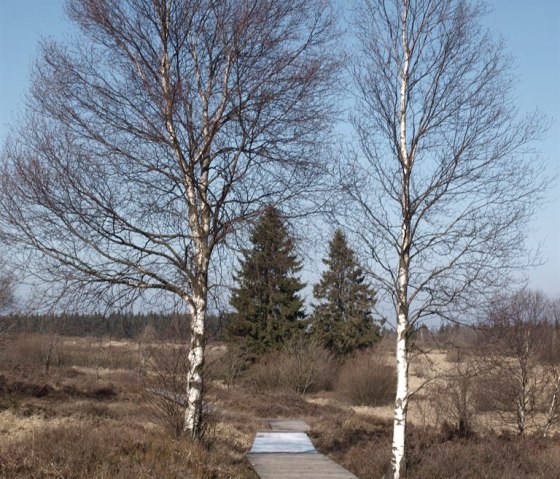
362 445
81 420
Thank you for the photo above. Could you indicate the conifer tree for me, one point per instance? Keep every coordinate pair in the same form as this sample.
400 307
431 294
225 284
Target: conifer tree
267 306
342 319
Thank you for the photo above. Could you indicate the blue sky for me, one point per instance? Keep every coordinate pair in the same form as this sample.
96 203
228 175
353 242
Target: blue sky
531 30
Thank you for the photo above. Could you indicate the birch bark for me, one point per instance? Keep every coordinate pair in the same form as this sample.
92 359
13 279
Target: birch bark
199 220
553 405
401 400
165 129
194 423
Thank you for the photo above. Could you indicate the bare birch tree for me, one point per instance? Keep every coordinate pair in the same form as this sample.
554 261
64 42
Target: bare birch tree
522 364
152 137
439 176
513 339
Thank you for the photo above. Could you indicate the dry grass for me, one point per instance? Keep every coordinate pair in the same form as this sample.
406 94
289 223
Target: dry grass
493 456
81 419
85 449
87 420
362 445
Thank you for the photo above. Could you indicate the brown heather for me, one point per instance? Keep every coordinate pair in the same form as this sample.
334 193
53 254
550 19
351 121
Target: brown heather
82 419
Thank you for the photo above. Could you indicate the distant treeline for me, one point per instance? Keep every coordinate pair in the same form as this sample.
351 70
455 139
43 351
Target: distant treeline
119 325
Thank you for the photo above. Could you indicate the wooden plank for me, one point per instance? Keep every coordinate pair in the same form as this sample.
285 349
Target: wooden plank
287 453
289 425
297 466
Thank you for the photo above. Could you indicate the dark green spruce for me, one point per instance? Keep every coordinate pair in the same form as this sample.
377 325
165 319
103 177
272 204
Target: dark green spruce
342 319
268 308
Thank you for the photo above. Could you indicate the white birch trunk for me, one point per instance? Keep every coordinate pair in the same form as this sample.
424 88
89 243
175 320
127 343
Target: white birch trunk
406 159
195 380
401 401
553 405
193 424
522 400
520 413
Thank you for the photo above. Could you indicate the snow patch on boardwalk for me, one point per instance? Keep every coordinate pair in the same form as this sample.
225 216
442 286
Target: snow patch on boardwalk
282 442
287 453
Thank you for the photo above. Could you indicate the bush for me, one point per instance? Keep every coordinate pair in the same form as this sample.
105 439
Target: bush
97 449
302 366
164 369
230 365
486 394
421 366
308 367
498 457
266 374
366 380
362 444
35 351
453 399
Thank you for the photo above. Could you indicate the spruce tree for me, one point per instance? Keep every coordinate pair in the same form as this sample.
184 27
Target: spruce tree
267 305
342 319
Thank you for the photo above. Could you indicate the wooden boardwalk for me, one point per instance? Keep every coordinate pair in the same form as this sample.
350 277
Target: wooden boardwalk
286 452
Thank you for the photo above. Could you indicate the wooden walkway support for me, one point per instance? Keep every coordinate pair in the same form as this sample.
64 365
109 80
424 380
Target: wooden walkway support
286 452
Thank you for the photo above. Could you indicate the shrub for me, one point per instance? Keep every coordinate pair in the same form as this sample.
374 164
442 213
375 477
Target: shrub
453 398
486 394
230 365
97 449
366 380
307 366
163 373
266 374
35 351
362 444
421 366
302 366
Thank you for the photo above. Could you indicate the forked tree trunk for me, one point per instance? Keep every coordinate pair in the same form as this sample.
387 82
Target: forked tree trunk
193 426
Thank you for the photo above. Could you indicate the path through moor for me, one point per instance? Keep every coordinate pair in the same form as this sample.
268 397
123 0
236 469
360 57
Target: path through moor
285 452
